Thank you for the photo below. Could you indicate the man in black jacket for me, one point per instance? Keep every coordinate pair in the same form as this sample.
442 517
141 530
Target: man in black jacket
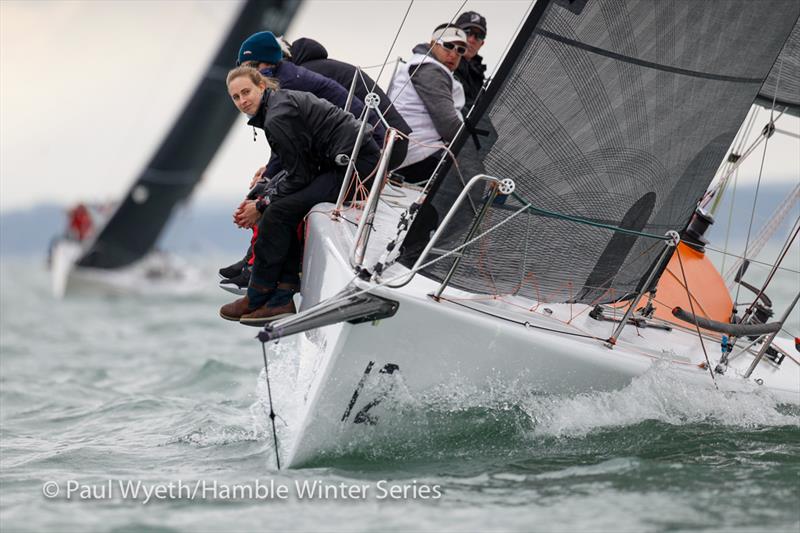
313 56
471 72
308 134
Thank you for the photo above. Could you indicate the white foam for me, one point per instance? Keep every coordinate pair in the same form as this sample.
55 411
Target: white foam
660 394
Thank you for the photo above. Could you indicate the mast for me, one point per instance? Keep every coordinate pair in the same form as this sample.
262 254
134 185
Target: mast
188 148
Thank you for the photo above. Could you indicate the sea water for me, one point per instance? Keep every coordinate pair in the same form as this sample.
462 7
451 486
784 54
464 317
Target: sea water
149 414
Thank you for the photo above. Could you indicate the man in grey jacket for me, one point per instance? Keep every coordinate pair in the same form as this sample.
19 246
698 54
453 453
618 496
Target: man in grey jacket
430 99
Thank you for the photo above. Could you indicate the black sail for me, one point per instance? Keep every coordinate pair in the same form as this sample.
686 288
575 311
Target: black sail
616 111
179 162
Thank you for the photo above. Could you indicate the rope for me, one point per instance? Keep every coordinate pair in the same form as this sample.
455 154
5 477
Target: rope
691 306
580 220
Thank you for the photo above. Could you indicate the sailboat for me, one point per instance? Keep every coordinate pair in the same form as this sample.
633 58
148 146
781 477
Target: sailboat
120 256
561 250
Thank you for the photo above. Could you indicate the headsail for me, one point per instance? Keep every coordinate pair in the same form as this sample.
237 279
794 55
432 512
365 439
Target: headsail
618 111
187 150
783 83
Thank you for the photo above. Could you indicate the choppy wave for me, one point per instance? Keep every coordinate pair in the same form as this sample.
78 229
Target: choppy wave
506 419
162 389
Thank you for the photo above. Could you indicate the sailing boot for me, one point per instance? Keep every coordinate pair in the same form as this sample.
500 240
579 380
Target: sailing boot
233 270
256 297
237 284
280 305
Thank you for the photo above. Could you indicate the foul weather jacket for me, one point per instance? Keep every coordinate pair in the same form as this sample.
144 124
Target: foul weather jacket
313 56
472 75
297 78
307 133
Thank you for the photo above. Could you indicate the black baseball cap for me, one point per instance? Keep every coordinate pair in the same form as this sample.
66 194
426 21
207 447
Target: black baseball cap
471 19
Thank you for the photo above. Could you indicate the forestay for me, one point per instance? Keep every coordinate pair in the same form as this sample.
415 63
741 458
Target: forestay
617 111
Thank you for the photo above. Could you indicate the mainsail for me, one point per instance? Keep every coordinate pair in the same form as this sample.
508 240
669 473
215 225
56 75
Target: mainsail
187 150
614 111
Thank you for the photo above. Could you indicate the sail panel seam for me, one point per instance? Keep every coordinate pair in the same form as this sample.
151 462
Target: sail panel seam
643 63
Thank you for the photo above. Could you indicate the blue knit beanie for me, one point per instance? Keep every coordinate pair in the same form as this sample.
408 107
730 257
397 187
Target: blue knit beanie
262 47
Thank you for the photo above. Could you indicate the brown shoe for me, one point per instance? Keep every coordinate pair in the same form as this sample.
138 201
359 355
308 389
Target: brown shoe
234 310
266 313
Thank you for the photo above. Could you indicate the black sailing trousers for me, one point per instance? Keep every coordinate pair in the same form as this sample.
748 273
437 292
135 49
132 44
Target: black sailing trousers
277 249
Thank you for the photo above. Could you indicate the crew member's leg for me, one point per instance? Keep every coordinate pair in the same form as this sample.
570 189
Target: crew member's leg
277 248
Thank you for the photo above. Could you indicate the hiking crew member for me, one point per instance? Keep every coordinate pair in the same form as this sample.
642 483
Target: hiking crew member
471 71
313 56
430 99
263 51
308 134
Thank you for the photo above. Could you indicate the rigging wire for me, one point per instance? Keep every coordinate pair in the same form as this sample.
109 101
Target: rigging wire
691 306
730 218
767 136
754 261
753 210
721 183
271 410
768 229
427 54
771 275
389 53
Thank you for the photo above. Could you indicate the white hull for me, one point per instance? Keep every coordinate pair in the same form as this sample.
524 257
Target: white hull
356 372
157 273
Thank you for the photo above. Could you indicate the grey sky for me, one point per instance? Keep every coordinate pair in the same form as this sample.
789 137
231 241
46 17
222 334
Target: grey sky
89 88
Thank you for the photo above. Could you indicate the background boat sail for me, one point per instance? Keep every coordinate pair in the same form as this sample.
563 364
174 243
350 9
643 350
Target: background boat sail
611 117
177 166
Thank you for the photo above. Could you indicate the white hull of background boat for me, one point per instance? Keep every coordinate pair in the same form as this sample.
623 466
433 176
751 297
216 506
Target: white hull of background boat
359 375
156 273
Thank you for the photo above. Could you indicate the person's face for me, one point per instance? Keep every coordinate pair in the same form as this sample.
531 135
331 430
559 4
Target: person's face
448 54
475 38
245 94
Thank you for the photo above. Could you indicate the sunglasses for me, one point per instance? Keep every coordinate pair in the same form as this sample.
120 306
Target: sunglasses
477 34
460 50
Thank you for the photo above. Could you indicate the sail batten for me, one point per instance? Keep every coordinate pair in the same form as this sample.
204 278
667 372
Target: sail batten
614 110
